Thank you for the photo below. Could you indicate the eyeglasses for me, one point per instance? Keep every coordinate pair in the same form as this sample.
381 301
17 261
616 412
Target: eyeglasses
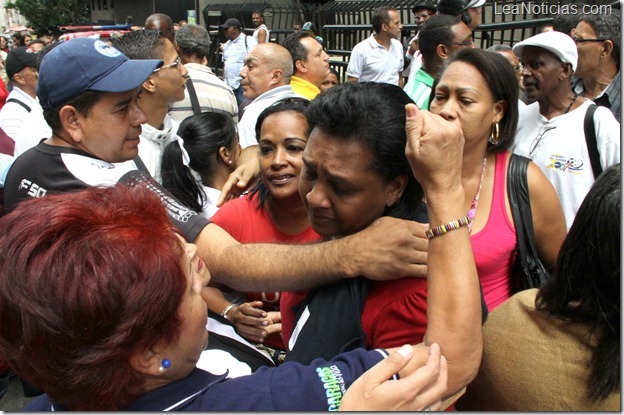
577 41
466 43
538 140
422 16
175 64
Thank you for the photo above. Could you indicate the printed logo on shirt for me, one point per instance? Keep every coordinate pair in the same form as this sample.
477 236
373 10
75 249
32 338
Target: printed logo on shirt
565 165
333 383
33 189
177 211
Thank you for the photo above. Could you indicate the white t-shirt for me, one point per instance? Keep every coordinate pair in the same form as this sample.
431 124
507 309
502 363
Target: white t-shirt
370 61
258 29
562 152
234 52
34 128
247 124
210 204
12 115
153 143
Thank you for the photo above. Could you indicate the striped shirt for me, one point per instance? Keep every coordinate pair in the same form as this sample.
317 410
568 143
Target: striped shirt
418 88
212 93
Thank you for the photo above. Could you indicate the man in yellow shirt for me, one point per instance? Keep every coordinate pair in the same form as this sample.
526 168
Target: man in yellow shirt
310 63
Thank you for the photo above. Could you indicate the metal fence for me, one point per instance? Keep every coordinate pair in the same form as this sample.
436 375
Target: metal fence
344 23
278 18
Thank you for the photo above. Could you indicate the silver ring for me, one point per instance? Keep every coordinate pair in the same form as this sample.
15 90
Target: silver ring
427 409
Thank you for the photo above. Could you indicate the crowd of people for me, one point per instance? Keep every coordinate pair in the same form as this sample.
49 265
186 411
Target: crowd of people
276 239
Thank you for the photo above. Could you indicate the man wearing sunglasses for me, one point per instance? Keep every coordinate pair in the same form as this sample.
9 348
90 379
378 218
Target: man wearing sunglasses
162 88
597 38
440 37
423 10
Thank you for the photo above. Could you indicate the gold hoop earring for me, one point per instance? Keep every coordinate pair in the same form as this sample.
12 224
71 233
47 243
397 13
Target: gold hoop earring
494 133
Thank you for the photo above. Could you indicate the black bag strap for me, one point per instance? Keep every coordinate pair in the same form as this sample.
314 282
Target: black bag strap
518 192
590 139
140 165
193 96
18 102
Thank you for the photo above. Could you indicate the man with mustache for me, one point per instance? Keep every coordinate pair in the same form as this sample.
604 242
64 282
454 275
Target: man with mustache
551 130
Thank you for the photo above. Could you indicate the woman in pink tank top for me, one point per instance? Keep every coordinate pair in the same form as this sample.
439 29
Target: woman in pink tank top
460 93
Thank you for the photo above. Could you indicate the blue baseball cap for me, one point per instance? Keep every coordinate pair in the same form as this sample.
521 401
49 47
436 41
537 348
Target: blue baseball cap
85 64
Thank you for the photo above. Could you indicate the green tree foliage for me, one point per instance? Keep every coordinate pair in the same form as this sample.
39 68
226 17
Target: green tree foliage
45 16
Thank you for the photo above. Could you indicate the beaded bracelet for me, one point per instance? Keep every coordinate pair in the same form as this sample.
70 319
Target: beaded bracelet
442 229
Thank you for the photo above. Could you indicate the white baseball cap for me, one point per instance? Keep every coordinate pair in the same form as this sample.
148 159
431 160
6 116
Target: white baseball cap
559 44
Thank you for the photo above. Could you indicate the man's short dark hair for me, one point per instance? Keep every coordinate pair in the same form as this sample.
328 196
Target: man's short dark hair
162 22
435 31
297 50
380 16
83 103
193 40
564 23
141 44
606 26
372 114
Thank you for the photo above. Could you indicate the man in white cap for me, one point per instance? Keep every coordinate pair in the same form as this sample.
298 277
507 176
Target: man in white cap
469 11
551 131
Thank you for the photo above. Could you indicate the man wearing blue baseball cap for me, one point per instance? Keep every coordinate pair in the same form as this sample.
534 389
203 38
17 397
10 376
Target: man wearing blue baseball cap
89 92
